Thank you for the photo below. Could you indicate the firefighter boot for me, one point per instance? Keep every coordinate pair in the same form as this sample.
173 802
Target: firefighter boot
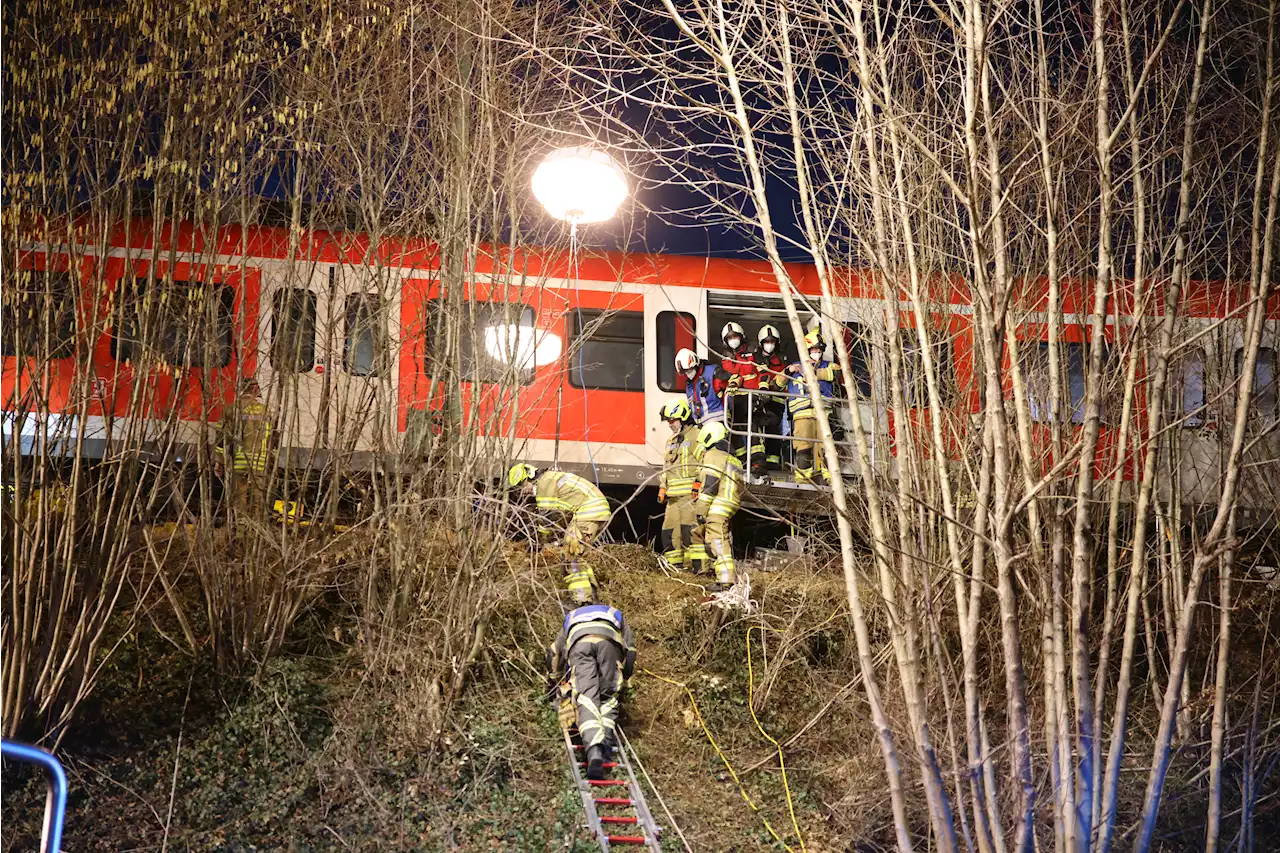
595 761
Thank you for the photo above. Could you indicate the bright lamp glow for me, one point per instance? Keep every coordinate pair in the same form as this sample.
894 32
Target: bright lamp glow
580 185
523 346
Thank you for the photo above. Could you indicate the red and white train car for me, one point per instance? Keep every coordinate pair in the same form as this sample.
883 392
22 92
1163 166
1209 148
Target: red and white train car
596 351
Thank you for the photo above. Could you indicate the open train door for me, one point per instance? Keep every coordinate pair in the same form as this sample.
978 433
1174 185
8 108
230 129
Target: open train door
674 318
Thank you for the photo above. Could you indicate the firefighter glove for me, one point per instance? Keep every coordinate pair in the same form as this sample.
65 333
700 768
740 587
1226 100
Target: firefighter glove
567 715
662 494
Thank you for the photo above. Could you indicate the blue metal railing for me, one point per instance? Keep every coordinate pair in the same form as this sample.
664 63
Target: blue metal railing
55 807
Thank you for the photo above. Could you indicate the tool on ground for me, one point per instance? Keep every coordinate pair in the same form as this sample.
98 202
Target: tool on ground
55 807
615 806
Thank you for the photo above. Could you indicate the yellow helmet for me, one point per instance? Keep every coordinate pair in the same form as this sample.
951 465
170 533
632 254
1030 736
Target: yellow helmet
712 433
676 410
814 339
520 472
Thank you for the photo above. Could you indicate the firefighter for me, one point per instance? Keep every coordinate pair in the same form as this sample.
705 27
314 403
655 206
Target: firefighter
773 377
582 508
596 654
804 424
704 387
738 370
719 497
251 451
676 486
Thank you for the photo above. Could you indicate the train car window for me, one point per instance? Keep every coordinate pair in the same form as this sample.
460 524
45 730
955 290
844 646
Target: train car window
676 331
293 330
364 344
179 323
858 342
1265 396
915 387
1074 367
497 342
1191 381
40 316
608 350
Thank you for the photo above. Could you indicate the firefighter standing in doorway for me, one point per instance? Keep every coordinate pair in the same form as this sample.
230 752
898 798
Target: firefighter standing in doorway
250 441
718 500
596 654
804 423
739 370
704 387
676 488
583 509
773 377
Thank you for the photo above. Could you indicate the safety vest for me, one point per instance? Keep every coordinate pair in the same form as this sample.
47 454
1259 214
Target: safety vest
799 403
704 395
742 365
679 469
722 480
254 442
568 493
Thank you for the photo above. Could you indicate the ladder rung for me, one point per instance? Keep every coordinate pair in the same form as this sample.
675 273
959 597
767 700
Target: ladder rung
604 782
612 801
626 839
607 765
614 818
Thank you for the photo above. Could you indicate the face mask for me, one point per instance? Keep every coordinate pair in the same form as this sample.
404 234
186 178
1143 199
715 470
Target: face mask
734 342
691 372
815 355
769 347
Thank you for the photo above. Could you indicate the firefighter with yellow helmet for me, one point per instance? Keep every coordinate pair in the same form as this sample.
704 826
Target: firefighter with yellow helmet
249 438
718 500
677 487
579 505
804 423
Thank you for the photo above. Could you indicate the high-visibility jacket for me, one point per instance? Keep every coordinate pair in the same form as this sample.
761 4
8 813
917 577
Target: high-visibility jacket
253 444
798 396
592 620
706 394
743 365
773 371
679 468
722 479
560 491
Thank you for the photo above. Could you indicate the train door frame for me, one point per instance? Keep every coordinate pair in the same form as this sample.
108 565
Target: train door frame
657 300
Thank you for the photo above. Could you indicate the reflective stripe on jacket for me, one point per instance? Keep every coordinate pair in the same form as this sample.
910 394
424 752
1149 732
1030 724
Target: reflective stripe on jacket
679 469
560 491
592 620
799 403
252 446
722 480
705 395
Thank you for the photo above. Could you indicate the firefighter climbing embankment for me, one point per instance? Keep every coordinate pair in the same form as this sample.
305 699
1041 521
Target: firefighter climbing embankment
592 657
574 505
804 424
677 488
718 500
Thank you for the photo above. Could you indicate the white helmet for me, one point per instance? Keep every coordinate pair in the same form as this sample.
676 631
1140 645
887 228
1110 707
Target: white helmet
686 360
732 329
768 332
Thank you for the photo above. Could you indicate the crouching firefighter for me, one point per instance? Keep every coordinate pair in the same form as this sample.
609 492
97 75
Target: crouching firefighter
676 488
595 654
582 510
718 501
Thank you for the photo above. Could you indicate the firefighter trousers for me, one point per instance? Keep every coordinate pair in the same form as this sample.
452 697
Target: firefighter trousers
808 455
579 578
770 416
678 523
715 541
595 669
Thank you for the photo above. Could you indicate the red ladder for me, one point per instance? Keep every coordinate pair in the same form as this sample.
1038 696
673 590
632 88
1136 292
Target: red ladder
607 810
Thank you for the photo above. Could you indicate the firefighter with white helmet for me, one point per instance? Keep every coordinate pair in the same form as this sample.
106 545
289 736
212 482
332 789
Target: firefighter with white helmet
583 510
718 500
773 377
704 387
677 486
740 373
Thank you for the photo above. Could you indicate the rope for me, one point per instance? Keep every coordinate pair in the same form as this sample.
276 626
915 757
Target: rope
723 758
751 706
635 756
